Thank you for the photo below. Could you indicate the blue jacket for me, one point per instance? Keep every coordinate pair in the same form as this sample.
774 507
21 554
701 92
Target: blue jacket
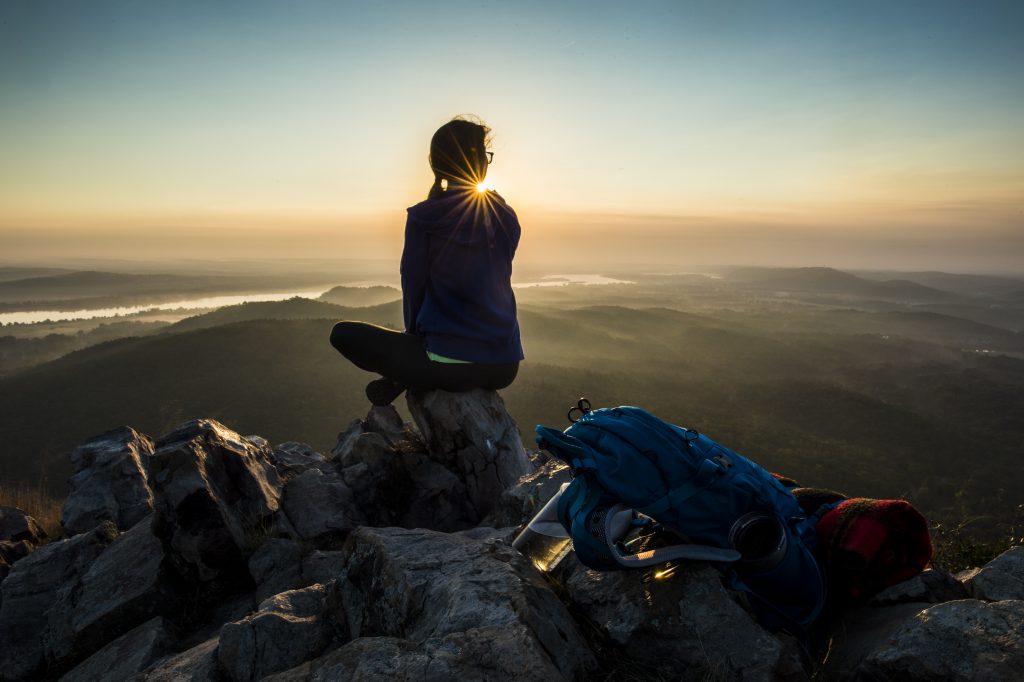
456 277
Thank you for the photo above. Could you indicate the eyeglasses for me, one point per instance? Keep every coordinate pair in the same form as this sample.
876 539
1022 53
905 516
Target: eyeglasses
490 157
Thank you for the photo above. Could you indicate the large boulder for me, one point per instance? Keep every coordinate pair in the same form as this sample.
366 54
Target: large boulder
1002 578
127 655
286 630
679 622
33 586
109 483
472 435
125 586
962 640
421 585
216 494
19 535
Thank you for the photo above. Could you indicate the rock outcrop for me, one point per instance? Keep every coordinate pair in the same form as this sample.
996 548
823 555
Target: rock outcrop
1002 578
421 585
34 585
683 621
286 630
110 482
473 435
216 494
212 556
959 641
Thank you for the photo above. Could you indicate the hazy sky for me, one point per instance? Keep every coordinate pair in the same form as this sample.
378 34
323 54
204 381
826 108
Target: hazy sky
878 134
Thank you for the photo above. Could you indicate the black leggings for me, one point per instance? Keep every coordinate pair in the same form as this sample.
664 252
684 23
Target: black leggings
402 358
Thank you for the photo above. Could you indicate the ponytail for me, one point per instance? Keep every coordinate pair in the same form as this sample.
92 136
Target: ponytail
436 189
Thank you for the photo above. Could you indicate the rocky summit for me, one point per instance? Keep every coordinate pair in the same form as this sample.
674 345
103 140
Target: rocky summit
210 556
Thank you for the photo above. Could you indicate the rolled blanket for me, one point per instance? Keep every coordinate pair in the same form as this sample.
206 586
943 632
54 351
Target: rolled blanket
868 545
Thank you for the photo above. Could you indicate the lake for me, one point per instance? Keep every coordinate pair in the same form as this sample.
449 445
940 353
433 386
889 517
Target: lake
208 302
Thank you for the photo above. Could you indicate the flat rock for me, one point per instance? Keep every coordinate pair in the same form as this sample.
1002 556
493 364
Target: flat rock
32 587
1002 578
216 494
127 655
109 483
421 585
472 435
956 641
286 630
684 623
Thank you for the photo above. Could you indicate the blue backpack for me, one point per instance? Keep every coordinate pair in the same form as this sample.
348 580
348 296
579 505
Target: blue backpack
629 467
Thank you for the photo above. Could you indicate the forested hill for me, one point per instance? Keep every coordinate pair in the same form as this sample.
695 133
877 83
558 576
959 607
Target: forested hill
871 416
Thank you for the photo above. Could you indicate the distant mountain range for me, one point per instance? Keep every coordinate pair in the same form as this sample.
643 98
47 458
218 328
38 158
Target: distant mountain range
104 287
361 296
386 315
829 280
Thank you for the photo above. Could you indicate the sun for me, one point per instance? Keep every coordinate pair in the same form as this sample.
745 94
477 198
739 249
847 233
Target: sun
484 186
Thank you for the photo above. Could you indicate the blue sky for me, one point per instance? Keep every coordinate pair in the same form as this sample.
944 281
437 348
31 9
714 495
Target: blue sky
826 123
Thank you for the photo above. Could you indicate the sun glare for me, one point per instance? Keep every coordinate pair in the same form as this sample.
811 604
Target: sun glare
483 187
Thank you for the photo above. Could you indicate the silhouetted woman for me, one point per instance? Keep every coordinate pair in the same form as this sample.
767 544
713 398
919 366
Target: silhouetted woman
461 330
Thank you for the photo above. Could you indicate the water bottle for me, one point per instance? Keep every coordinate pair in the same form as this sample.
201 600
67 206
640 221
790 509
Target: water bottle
544 541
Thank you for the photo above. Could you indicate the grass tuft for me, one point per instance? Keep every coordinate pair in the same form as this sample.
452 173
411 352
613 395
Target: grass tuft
37 503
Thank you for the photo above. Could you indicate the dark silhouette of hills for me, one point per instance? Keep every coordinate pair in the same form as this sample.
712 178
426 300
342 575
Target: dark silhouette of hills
107 288
829 280
11 273
361 296
388 314
969 285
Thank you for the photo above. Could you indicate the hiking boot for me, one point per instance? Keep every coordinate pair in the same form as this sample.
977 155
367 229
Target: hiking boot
383 391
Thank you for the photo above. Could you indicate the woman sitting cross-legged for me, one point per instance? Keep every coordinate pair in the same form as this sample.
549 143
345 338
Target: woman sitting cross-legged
461 330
